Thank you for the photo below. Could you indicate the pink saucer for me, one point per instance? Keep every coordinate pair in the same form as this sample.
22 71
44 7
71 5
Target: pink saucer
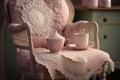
73 47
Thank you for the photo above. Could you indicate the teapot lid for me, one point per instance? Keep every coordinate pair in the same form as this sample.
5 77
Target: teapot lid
55 35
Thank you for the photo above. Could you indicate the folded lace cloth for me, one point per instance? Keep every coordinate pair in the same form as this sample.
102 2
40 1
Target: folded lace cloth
74 64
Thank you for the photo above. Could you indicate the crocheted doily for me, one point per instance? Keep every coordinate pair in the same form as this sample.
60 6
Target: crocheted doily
38 16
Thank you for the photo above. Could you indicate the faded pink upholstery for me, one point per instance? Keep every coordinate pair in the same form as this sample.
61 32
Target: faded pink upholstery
57 9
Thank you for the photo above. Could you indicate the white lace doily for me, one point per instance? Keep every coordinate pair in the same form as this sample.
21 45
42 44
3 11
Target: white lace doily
38 16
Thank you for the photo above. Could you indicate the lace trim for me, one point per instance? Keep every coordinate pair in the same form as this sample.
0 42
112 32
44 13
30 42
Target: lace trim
38 16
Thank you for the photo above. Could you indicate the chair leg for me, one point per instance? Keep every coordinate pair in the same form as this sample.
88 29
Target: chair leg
103 74
42 76
93 77
22 77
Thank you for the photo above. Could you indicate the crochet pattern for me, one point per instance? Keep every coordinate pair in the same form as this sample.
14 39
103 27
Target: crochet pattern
37 14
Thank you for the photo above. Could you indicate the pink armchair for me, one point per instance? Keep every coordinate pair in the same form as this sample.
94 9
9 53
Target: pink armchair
43 17
31 21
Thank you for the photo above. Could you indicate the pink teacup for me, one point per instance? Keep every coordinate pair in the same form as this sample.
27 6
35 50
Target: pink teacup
81 40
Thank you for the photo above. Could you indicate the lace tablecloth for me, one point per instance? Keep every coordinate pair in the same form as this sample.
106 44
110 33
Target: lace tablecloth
74 64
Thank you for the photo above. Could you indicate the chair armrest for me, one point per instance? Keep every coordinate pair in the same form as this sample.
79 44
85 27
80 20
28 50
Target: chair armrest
22 39
71 28
21 35
94 25
14 27
96 30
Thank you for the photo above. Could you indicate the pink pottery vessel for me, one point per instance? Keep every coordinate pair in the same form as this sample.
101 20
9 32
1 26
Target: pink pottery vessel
81 40
55 42
104 3
90 3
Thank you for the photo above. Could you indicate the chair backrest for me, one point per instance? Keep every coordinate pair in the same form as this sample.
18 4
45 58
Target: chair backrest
91 27
43 17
